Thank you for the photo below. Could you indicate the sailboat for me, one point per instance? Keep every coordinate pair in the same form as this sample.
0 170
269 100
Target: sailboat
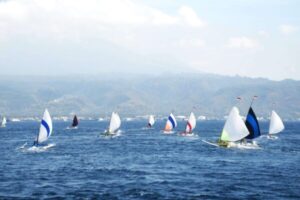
45 129
151 121
234 129
252 125
75 123
276 124
170 124
114 125
190 125
3 122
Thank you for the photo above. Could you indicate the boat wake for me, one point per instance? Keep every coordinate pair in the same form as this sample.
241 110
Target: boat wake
244 146
148 128
71 128
22 147
189 135
168 132
36 149
272 137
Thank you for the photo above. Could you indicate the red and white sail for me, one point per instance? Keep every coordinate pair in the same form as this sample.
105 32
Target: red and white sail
191 123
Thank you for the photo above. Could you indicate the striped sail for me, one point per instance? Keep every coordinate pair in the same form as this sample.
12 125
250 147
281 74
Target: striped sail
234 128
276 124
191 123
115 123
151 121
252 125
45 128
171 123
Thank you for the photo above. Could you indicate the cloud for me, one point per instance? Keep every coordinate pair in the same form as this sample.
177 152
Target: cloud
160 18
190 17
242 43
263 33
187 43
77 20
113 12
287 29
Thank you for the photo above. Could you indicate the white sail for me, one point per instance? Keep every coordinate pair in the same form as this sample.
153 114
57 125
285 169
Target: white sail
234 128
3 123
276 124
171 123
115 123
151 120
191 123
45 128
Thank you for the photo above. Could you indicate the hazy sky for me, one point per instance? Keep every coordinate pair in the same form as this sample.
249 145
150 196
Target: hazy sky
256 38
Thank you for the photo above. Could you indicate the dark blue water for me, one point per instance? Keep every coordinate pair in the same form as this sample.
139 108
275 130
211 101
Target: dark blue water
145 164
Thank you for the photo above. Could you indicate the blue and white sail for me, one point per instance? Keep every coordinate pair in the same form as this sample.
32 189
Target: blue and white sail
171 123
45 128
252 125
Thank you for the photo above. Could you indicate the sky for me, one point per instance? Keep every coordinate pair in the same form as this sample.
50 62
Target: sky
250 38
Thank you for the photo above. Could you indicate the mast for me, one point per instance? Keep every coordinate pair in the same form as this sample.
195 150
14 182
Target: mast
253 98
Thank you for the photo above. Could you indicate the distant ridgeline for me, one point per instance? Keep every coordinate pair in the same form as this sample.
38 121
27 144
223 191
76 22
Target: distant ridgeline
204 94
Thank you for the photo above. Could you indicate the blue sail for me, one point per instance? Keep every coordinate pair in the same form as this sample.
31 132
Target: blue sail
252 125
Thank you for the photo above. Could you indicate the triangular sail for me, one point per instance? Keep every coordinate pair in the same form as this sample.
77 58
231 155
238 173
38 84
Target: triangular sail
151 121
276 124
234 128
171 123
115 123
3 123
45 128
75 121
191 123
252 125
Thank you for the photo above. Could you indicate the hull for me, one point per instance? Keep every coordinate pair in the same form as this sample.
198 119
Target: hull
238 145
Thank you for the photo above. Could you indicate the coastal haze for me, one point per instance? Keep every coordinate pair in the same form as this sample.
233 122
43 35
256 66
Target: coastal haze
249 38
98 70
131 95
142 57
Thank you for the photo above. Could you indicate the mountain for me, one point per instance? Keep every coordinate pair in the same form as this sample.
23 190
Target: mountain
98 95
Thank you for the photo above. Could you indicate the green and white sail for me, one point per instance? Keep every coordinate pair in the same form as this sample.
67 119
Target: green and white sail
234 128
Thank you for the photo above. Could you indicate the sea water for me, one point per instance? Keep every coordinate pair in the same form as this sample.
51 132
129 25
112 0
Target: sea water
146 164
